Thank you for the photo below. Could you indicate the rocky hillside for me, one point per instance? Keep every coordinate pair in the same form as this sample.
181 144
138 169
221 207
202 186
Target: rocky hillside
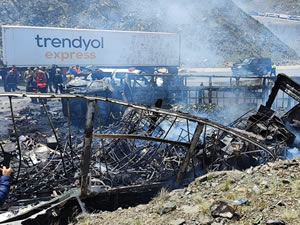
213 33
268 194
290 7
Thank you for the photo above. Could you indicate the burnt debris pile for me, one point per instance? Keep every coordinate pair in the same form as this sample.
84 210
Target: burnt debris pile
48 165
147 146
144 147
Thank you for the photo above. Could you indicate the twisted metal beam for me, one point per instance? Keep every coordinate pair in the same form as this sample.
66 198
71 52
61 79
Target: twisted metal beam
182 115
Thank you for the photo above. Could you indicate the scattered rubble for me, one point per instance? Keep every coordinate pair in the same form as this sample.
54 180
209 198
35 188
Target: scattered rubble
277 203
222 209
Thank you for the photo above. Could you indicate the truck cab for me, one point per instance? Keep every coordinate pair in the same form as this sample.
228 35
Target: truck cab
252 66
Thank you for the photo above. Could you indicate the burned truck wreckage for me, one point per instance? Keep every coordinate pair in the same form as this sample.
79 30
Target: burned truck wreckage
61 169
131 86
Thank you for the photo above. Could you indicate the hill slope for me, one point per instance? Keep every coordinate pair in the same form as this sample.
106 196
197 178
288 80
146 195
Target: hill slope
290 7
266 193
212 33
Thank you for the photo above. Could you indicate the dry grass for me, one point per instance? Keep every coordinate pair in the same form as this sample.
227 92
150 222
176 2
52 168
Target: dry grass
86 219
198 199
205 208
296 185
289 215
231 195
225 186
137 221
162 196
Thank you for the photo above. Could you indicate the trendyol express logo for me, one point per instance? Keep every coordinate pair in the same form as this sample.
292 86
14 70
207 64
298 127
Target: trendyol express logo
77 43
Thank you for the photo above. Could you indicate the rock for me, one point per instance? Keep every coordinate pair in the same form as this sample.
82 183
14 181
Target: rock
285 181
242 190
179 221
221 220
249 171
281 204
255 189
166 208
205 220
264 183
214 185
222 209
190 209
275 222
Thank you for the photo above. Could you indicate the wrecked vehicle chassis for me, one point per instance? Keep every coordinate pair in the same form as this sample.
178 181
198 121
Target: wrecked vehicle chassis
139 150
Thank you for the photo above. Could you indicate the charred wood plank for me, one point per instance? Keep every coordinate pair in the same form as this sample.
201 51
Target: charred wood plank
190 152
87 152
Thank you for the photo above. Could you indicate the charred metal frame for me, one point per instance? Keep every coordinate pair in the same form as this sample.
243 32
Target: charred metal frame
287 85
86 157
55 135
189 148
131 136
190 152
189 117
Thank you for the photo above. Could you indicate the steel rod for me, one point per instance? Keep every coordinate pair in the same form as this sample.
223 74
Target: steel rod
55 135
132 136
102 141
17 136
69 123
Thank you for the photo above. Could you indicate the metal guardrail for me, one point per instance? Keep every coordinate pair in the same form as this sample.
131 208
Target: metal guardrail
237 90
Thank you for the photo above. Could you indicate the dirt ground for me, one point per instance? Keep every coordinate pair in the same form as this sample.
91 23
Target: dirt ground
261 195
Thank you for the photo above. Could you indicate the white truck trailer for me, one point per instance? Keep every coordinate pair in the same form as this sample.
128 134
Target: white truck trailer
43 46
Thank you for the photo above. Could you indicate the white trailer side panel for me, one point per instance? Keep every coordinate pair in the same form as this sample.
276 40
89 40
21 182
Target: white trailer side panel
35 46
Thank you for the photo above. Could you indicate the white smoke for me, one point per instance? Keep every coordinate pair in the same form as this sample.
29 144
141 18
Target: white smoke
293 153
